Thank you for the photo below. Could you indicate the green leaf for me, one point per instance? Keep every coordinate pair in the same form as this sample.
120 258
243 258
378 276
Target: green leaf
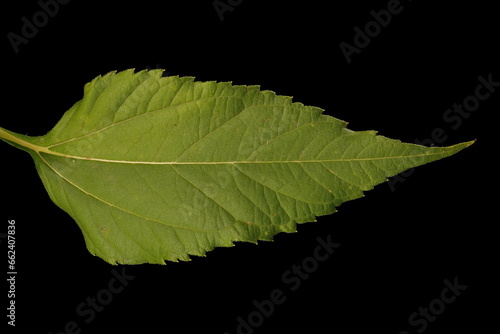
159 168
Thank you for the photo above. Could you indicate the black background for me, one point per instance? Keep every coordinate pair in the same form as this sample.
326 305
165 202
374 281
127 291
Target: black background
397 247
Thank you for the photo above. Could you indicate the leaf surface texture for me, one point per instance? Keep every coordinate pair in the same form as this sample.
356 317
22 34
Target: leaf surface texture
159 168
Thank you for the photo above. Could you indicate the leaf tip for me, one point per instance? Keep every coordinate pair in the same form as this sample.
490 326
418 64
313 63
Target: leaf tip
461 146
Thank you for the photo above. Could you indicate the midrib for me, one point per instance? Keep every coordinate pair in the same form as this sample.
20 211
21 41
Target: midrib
235 162
45 150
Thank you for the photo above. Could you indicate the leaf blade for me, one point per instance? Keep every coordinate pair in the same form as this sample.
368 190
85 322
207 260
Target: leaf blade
156 169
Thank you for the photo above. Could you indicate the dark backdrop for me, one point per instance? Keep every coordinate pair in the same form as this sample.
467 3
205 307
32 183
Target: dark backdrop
398 244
